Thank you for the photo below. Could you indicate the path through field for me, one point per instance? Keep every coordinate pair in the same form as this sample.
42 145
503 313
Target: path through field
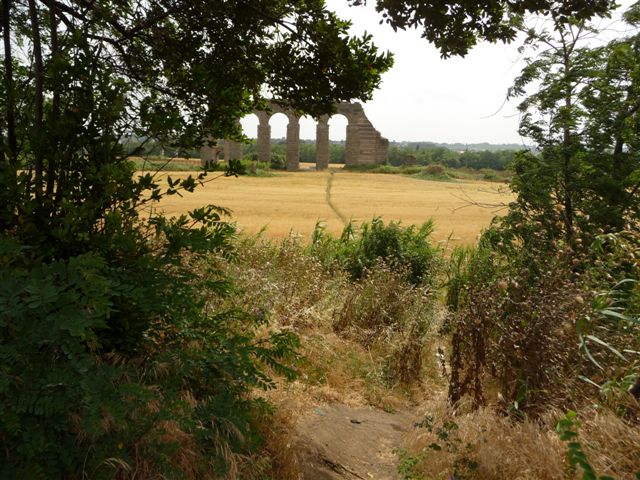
330 202
345 443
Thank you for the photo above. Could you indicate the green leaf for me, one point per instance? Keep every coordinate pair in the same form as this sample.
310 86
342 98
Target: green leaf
606 345
612 313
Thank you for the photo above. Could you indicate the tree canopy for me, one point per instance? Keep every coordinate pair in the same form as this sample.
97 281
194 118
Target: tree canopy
583 117
79 77
456 26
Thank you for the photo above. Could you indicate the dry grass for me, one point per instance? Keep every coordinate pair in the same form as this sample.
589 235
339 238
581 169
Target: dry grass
293 291
295 201
350 366
520 450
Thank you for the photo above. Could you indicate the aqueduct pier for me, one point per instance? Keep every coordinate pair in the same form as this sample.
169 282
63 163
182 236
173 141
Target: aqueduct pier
364 144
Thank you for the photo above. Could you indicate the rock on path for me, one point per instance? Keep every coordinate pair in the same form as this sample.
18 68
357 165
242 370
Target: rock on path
340 442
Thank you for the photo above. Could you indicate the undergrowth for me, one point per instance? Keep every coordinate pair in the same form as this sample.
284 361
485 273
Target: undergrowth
530 334
406 249
366 330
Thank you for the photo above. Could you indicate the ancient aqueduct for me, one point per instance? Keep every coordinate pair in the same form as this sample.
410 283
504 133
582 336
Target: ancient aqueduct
364 144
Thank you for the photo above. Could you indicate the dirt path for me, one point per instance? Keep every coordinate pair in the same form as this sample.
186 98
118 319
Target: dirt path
341 442
332 205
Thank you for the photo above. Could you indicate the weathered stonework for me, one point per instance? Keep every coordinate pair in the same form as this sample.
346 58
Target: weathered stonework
209 155
322 143
232 150
364 144
293 143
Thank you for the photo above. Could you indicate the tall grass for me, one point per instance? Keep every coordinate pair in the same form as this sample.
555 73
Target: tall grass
482 445
365 333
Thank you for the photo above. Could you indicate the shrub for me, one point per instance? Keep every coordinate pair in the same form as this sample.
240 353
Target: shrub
406 248
278 162
434 172
537 319
435 169
515 331
113 365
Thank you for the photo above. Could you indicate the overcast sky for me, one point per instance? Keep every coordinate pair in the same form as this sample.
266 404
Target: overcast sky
424 97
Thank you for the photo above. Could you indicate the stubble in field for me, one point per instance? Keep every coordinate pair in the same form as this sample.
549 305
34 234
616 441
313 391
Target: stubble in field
295 201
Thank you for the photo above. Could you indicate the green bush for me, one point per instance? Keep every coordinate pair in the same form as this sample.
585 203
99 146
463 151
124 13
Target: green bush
110 366
385 168
440 177
245 166
435 169
358 250
278 161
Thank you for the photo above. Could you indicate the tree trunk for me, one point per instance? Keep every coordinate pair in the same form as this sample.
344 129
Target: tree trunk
55 102
567 200
36 136
12 143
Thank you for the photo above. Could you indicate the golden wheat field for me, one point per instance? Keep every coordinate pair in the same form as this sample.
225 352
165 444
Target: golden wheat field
293 202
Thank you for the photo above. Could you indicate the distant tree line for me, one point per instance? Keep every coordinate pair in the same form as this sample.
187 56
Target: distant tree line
427 154
496 157
476 156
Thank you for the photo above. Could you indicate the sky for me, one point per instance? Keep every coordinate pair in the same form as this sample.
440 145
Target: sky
426 98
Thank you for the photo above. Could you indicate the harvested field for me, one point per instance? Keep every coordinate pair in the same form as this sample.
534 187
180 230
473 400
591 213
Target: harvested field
295 201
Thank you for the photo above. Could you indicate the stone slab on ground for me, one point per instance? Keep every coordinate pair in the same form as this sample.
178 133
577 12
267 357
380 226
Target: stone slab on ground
340 442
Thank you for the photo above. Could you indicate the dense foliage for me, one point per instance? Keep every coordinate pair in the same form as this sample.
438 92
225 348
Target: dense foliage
359 249
584 119
110 368
116 359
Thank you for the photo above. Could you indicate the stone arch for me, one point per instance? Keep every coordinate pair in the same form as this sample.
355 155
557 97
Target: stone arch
308 131
338 126
249 124
364 144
